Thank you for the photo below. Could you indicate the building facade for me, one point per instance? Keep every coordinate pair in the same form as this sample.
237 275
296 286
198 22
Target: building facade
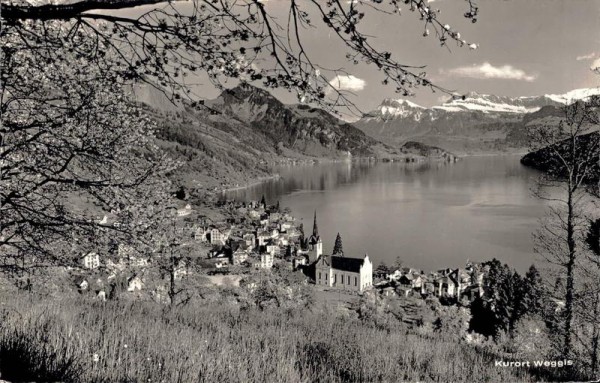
344 273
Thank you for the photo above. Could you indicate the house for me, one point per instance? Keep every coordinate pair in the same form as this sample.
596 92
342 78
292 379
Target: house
388 292
181 270
272 248
139 261
218 236
124 252
266 261
298 261
472 292
128 256
404 291
90 261
428 288
83 285
447 286
134 283
344 273
264 219
274 217
285 226
395 276
250 240
201 234
406 279
262 236
187 210
413 281
283 240
239 256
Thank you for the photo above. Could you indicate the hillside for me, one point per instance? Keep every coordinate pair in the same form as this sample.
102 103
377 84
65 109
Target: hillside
547 161
223 340
477 123
236 138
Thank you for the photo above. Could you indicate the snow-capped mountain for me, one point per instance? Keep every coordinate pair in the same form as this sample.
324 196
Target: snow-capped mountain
475 102
475 123
391 108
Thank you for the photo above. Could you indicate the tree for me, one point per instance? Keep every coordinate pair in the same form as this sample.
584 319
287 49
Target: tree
263 202
593 237
382 270
502 305
337 247
593 296
164 43
173 256
70 130
569 155
533 291
397 263
302 238
79 166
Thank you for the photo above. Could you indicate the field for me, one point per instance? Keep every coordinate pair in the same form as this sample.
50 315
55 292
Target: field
78 340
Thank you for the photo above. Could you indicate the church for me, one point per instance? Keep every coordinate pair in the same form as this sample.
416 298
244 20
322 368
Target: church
315 245
344 273
337 271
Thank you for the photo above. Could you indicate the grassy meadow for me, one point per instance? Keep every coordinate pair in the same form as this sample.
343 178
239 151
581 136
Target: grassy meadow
78 340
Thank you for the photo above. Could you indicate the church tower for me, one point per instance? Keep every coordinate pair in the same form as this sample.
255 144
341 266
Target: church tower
315 245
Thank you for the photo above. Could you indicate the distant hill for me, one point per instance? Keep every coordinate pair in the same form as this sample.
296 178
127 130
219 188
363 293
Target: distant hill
235 138
296 129
548 161
478 123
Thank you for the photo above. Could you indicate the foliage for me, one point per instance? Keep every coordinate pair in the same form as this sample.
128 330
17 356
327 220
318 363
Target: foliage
397 265
338 247
75 148
382 269
280 288
569 155
220 40
593 237
507 297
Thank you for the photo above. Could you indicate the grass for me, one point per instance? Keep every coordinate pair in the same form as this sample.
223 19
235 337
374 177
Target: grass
77 340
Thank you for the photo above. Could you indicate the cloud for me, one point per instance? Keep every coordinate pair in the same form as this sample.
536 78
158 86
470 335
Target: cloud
595 67
347 82
589 56
488 71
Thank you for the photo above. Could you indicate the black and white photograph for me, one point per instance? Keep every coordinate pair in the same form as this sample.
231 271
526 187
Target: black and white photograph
299 191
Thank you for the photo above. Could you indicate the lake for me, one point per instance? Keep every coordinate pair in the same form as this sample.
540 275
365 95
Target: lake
433 215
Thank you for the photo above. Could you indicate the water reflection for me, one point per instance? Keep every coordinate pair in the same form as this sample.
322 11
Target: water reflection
430 214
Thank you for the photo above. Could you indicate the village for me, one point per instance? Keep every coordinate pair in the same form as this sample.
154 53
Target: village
255 237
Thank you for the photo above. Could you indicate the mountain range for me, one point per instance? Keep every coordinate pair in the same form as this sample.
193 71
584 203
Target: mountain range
234 139
475 123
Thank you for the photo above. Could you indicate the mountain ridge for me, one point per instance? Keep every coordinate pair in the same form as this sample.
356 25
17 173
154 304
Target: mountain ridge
476 123
236 138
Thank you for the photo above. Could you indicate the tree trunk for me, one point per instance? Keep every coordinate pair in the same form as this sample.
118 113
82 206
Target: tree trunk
172 292
570 288
595 337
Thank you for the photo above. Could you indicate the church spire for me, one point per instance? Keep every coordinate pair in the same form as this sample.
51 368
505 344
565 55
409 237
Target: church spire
315 227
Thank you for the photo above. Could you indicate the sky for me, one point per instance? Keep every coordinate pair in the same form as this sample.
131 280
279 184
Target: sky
524 48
